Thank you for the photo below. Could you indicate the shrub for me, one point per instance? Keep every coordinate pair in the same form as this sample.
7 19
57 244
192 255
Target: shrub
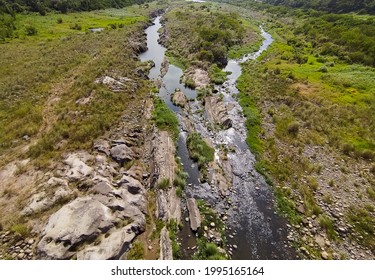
21 229
59 20
323 69
293 128
30 30
164 118
164 183
137 251
367 155
327 223
199 150
76 26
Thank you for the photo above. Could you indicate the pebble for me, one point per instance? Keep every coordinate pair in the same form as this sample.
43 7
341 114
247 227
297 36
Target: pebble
324 255
150 247
30 241
186 219
212 224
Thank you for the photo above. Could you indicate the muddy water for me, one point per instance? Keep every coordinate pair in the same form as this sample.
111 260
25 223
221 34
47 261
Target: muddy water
253 226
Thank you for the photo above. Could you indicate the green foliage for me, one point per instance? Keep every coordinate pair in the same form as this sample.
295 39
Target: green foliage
30 30
174 227
164 118
217 75
164 183
76 26
199 150
136 252
364 225
21 229
204 35
63 6
327 223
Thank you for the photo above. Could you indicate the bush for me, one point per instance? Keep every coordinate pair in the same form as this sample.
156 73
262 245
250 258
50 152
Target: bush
164 183
164 118
59 20
30 30
367 155
199 150
293 128
327 223
76 26
21 229
323 69
137 251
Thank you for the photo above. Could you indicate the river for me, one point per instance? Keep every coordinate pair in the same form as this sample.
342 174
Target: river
254 230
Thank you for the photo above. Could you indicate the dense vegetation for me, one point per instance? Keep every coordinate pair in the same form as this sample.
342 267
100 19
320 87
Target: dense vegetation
348 37
204 33
9 9
42 6
333 6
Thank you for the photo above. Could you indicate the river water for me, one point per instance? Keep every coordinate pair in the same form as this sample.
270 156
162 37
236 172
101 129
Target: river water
255 231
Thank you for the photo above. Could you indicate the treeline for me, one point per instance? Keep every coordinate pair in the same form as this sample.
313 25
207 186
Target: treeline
64 6
348 37
332 6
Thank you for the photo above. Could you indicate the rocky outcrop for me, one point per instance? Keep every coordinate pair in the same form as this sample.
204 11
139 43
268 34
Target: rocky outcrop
78 167
179 98
164 67
77 222
164 168
118 84
194 214
217 112
105 204
168 205
200 77
122 153
45 199
111 247
164 165
166 252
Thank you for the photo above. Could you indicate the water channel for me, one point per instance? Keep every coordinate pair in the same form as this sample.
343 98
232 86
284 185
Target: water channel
254 230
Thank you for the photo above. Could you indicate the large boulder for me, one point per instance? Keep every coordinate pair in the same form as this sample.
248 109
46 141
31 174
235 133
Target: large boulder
194 214
179 98
78 169
217 112
168 205
80 221
111 247
122 153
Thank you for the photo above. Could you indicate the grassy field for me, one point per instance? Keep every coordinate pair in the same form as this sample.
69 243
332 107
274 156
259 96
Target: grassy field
45 74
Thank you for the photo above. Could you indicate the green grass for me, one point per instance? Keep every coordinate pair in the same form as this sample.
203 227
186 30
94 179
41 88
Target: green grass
327 223
20 229
163 184
217 75
364 226
137 251
164 118
199 150
174 227
48 27
65 64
